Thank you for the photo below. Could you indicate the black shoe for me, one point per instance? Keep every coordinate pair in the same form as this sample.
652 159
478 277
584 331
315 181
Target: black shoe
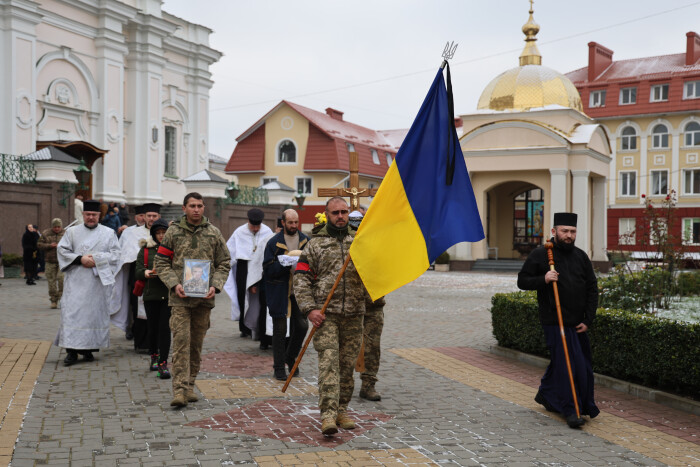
296 372
70 359
574 422
264 346
31 282
280 375
539 398
245 334
88 356
129 335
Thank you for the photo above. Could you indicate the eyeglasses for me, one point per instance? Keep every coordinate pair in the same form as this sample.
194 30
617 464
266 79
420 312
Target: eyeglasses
341 211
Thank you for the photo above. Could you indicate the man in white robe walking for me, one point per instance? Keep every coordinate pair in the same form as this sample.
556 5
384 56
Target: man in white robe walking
246 246
87 254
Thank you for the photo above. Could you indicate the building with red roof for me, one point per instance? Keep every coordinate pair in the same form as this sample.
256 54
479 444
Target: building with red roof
306 149
650 108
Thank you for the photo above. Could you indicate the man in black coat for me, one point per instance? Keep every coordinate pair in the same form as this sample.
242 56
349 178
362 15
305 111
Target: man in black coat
578 296
280 296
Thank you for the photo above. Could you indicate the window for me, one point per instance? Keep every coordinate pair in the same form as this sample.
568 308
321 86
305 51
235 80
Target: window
628 96
375 156
658 229
170 151
286 152
692 134
627 232
691 230
659 93
691 182
659 136
659 182
389 159
350 146
597 98
629 139
266 180
304 185
691 90
628 183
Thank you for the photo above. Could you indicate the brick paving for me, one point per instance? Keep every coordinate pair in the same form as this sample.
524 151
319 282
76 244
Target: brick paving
446 399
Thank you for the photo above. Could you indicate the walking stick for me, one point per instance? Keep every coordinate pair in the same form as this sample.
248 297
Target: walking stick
550 256
313 330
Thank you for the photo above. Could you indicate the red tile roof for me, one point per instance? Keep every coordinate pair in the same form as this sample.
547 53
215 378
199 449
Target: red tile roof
638 69
249 157
326 148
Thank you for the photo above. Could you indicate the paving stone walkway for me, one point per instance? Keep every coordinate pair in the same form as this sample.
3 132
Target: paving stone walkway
446 399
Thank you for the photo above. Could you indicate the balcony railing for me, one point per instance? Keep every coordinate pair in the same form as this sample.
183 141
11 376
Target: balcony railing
16 169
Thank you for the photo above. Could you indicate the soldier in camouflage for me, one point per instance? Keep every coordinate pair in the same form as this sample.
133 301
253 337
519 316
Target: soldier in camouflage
373 324
48 242
339 334
193 237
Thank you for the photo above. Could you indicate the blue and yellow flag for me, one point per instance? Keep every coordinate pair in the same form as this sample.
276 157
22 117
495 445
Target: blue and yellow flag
424 205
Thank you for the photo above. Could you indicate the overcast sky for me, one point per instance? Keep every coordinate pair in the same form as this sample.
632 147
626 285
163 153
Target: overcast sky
375 59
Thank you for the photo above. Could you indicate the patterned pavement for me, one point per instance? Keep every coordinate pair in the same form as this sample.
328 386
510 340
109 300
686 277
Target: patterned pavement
447 400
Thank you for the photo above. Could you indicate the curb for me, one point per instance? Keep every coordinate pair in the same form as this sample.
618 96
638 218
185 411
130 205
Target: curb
642 392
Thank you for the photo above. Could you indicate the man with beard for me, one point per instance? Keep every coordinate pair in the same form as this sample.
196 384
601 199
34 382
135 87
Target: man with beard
280 295
87 254
578 295
339 335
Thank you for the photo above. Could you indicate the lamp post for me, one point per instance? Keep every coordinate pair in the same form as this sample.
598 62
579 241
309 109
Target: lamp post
232 191
82 175
300 200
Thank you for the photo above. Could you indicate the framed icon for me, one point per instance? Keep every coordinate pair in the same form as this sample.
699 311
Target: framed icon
195 277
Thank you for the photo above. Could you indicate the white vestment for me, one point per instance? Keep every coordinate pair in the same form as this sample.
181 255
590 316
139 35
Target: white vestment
244 244
78 208
86 291
119 302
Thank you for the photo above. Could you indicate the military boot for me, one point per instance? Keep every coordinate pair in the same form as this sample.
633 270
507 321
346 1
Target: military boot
179 399
368 392
328 427
344 421
190 395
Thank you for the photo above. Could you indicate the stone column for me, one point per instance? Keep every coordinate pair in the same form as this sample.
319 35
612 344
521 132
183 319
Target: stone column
599 221
581 202
558 192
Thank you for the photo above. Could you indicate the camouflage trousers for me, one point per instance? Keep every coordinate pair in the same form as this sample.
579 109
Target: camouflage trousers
188 325
54 276
337 342
371 336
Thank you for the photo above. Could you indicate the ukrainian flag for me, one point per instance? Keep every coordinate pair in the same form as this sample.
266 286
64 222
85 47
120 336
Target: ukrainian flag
424 205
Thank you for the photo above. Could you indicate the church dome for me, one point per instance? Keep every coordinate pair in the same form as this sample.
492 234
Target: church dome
530 85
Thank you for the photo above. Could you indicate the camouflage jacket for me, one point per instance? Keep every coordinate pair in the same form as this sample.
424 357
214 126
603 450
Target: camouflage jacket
48 237
185 241
316 272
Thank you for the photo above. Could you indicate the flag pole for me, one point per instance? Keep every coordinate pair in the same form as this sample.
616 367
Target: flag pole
550 256
313 330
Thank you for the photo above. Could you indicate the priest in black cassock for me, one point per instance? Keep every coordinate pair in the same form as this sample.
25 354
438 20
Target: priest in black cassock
578 296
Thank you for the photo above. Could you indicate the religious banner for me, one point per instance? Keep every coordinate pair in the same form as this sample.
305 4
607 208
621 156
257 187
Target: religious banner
424 205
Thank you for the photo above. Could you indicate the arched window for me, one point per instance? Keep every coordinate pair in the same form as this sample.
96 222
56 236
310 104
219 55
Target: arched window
629 139
659 136
692 134
286 152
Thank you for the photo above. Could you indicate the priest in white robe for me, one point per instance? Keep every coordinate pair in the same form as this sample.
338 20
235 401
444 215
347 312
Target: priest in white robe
246 246
88 255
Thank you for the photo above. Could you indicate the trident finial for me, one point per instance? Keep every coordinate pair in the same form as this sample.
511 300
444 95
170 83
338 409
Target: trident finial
448 53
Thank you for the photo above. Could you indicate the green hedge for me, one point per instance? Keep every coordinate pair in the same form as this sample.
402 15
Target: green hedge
637 348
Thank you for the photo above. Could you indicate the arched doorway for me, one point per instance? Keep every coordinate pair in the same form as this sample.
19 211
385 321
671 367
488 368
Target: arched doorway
79 150
515 218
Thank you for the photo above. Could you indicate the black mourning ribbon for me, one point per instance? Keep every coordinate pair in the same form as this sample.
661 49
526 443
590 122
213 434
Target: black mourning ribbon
451 131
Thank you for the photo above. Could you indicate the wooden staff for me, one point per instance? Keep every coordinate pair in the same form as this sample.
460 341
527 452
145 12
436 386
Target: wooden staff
313 330
549 246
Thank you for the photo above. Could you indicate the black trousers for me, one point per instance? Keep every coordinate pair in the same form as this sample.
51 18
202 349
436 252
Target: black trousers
286 350
158 321
241 278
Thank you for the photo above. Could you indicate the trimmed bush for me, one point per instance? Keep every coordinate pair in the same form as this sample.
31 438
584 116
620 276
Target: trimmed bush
634 347
11 259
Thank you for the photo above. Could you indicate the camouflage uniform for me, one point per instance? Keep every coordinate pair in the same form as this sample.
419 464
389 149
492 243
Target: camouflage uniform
53 273
338 339
373 324
189 320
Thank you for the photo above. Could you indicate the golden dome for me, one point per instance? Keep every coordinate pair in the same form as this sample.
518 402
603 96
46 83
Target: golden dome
530 85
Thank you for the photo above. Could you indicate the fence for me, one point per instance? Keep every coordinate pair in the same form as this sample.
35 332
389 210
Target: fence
16 169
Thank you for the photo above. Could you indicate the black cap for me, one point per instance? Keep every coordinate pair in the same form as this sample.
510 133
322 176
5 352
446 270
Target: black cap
140 209
160 224
565 218
91 206
151 207
256 216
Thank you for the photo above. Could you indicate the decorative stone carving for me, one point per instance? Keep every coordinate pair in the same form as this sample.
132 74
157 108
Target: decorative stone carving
63 95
